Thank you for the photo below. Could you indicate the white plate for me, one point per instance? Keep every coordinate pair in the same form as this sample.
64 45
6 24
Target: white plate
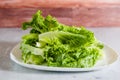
110 57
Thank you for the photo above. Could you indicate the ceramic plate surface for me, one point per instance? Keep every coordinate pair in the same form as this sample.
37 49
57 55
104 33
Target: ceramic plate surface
110 57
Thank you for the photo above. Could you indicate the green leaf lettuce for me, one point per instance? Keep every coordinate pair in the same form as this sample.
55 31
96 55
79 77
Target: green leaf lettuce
54 44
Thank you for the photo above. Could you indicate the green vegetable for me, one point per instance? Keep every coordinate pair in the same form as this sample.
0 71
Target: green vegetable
55 44
74 40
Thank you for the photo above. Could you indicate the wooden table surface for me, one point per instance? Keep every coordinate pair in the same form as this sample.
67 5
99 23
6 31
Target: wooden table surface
89 13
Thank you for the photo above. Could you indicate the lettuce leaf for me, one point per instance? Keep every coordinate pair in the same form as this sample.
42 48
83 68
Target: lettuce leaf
55 44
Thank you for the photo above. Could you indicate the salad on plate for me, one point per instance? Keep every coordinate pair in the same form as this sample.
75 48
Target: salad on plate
54 44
